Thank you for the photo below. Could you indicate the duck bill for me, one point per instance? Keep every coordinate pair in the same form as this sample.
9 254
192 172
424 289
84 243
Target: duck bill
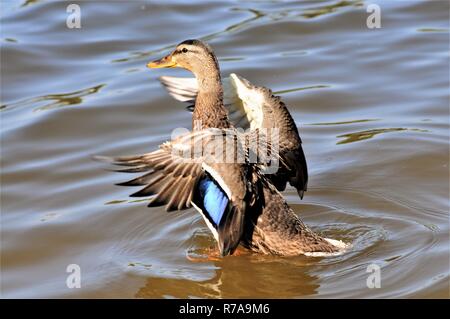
166 62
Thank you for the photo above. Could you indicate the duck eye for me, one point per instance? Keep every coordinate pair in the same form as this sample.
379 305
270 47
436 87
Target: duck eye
184 50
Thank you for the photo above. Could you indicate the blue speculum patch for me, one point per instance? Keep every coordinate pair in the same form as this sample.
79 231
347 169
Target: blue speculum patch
214 199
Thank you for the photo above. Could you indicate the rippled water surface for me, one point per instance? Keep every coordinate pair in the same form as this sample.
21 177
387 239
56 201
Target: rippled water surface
372 107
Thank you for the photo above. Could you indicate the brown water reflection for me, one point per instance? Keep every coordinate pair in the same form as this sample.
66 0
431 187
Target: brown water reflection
228 282
327 9
364 135
53 101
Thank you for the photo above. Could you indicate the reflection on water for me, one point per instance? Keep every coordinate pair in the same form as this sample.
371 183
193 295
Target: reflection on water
234 27
345 122
54 101
327 9
302 89
138 264
257 15
294 53
28 2
228 282
124 201
141 55
432 30
364 135
231 59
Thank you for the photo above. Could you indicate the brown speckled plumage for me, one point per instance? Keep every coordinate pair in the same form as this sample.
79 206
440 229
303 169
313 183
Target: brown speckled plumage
273 228
277 116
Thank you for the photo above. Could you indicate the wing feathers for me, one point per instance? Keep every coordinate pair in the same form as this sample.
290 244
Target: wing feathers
181 89
152 187
172 181
139 181
251 106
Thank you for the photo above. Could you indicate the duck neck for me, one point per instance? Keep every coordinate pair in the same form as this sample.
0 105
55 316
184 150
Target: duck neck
209 110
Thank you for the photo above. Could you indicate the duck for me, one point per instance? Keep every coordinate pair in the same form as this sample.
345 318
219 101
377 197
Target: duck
235 102
239 204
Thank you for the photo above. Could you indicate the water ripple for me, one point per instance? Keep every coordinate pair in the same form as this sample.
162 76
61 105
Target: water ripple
53 101
367 134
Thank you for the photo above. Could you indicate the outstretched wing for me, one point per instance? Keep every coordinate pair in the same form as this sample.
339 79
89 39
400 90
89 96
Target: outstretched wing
254 107
207 169
185 90
171 172
166 178
181 89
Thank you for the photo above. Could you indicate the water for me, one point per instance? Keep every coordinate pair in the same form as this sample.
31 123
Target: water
373 110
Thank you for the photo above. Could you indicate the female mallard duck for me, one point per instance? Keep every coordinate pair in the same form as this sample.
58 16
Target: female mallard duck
236 103
239 205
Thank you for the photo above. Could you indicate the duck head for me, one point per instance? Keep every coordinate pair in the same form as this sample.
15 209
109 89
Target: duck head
193 55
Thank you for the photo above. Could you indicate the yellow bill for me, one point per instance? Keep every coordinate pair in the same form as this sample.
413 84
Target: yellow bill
166 62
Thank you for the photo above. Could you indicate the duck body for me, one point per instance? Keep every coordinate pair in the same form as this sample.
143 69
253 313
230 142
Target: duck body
274 229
